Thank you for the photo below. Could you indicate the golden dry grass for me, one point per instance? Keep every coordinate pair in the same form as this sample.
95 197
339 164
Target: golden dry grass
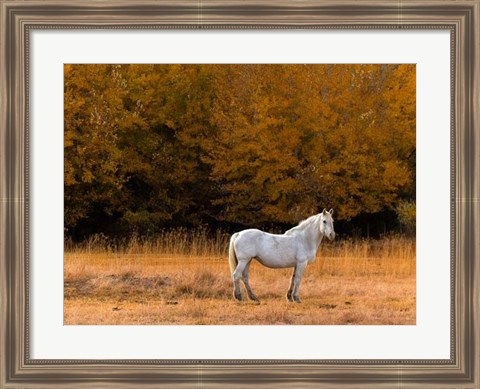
363 282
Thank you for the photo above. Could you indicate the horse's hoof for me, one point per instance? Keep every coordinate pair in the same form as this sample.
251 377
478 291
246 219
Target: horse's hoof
297 300
238 297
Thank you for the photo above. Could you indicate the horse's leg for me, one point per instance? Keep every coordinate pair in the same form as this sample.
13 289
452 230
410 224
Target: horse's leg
297 278
290 289
250 293
237 274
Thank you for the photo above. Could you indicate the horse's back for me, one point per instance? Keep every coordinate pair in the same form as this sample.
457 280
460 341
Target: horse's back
254 236
250 237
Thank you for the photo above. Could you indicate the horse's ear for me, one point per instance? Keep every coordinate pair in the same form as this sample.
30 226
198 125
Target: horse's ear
324 211
331 211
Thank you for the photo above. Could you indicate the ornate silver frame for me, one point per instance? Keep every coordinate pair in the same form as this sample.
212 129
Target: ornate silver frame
18 18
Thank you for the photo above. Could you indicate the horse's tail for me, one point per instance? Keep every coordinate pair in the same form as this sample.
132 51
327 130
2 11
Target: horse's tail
232 256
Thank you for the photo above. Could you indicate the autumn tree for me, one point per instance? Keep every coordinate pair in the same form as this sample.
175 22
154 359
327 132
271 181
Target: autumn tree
92 160
324 135
148 146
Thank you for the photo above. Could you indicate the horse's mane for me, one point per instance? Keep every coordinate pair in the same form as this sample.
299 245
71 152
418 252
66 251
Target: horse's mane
304 224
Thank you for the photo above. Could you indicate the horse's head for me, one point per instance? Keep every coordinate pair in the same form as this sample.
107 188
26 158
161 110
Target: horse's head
326 224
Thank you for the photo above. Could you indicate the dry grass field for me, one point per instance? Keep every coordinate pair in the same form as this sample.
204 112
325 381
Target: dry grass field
184 278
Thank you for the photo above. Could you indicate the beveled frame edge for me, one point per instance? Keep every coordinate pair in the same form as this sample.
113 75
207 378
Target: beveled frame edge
17 18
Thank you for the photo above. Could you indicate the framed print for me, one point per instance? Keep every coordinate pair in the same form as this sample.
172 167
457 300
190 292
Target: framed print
146 146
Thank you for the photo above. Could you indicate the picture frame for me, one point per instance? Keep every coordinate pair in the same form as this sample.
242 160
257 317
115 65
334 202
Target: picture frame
18 18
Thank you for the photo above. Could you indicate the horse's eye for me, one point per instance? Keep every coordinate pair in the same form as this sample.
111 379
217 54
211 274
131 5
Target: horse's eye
324 222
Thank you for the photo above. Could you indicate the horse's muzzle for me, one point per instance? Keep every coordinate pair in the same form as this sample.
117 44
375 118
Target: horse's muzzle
331 236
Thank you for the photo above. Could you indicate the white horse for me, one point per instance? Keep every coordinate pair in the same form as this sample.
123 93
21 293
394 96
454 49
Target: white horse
295 248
